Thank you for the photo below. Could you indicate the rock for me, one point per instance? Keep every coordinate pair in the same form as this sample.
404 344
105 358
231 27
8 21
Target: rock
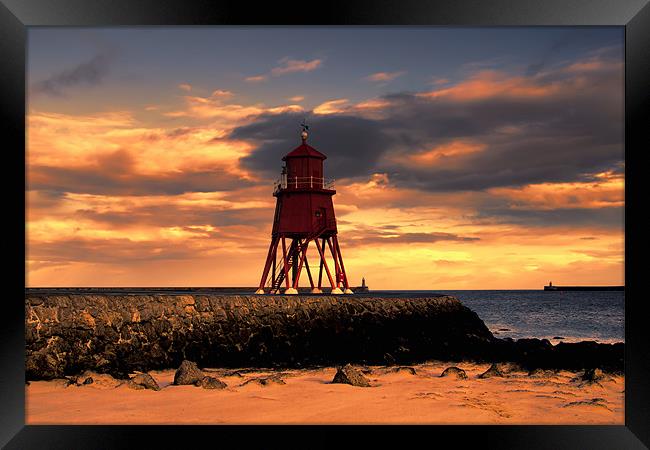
211 383
350 375
138 387
235 373
102 380
493 371
509 367
265 381
45 363
541 373
600 402
591 376
454 372
188 373
63 382
406 369
145 380
389 359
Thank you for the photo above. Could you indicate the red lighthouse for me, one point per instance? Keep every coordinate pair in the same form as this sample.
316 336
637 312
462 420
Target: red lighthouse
304 213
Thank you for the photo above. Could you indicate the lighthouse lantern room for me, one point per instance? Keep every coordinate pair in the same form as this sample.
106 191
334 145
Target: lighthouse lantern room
304 215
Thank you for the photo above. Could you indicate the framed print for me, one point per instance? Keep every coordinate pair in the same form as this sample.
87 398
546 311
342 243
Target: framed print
415 214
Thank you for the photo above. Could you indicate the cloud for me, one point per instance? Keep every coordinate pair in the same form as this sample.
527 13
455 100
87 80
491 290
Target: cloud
256 79
437 81
185 86
331 107
216 107
89 73
370 237
221 93
598 218
492 129
285 66
288 65
384 77
559 44
297 98
352 144
497 179
116 174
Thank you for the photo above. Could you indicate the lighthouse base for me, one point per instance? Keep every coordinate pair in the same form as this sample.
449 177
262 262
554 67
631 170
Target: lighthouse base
291 291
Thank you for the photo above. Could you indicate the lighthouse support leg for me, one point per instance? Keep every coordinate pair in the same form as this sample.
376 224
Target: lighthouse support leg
345 276
320 269
294 250
289 289
267 265
311 281
303 254
284 262
336 290
273 271
324 263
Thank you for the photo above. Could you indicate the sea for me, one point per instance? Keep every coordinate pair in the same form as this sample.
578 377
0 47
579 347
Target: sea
559 316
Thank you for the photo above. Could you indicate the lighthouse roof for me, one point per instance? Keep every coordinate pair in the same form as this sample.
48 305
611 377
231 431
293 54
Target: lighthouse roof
304 150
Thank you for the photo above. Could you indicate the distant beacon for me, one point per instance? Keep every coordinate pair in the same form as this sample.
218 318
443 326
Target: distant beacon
304 213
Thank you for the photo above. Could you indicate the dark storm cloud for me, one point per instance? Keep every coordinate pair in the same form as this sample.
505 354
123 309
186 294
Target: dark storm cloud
114 174
173 215
352 144
560 43
372 236
112 251
566 135
610 217
89 73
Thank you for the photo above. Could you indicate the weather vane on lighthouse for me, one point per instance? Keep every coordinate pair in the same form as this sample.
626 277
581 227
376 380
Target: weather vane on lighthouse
304 213
305 128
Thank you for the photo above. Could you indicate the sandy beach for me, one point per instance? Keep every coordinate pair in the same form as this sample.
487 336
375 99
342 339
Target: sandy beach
308 397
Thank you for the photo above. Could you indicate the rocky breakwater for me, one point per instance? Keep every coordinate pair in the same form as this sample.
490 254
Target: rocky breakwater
118 334
121 334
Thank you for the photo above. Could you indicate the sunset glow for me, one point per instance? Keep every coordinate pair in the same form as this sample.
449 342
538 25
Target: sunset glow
158 171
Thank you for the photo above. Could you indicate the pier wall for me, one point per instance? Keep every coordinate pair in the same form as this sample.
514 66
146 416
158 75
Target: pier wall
66 334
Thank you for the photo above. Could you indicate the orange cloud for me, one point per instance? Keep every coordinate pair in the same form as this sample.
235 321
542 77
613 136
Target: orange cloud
546 196
331 107
221 93
384 76
491 84
255 79
443 154
185 86
288 65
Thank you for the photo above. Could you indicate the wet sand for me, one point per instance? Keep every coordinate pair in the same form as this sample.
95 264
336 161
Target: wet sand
309 397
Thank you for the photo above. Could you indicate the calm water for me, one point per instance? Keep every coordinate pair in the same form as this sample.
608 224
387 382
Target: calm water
575 316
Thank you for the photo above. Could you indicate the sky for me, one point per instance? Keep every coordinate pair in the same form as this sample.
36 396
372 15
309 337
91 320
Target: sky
464 158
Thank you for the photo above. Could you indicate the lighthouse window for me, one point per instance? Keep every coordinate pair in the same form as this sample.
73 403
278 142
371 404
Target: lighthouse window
317 213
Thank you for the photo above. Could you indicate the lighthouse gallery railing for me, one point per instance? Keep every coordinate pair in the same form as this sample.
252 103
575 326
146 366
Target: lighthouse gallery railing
303 183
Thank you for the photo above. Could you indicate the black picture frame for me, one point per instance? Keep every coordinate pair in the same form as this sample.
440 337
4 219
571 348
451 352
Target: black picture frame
17 15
